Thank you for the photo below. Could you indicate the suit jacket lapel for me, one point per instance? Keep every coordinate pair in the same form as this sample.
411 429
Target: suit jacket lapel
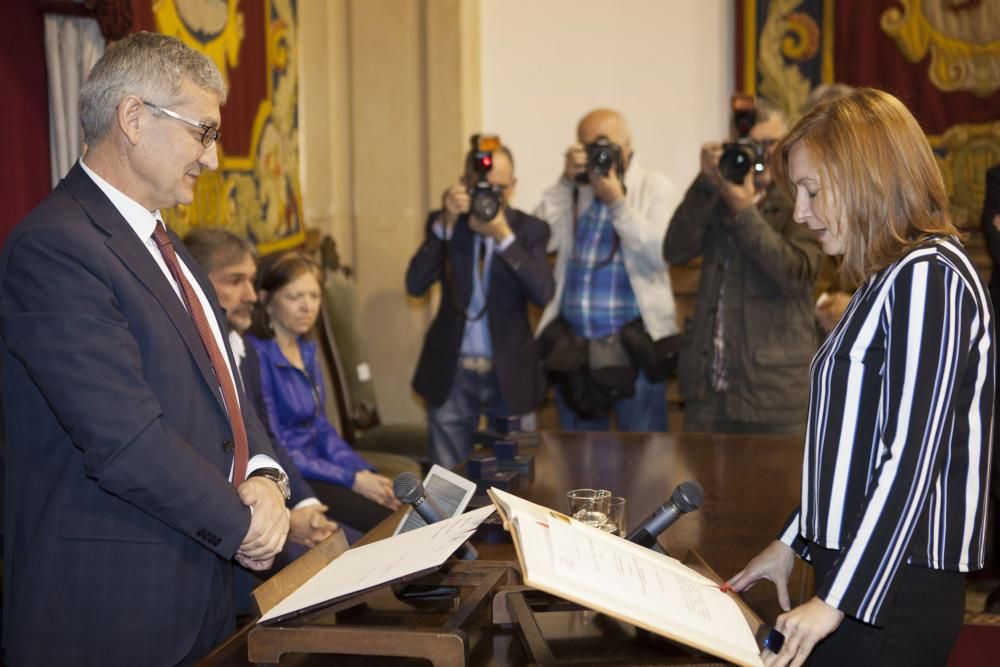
124 243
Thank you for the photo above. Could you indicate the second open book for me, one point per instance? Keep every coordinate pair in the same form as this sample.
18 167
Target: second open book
598 570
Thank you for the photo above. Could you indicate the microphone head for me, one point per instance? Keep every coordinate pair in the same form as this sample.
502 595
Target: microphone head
407 487
688 496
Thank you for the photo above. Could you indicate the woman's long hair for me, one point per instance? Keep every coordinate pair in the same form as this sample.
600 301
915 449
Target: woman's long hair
888 193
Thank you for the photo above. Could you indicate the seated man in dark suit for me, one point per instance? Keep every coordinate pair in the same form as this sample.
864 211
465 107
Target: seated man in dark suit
137 470
479 356
231 264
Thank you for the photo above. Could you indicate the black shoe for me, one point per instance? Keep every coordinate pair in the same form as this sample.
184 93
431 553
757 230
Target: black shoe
992 604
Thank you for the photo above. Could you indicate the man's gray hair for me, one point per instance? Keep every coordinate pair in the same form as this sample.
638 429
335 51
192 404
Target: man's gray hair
148 65
764 108
214 248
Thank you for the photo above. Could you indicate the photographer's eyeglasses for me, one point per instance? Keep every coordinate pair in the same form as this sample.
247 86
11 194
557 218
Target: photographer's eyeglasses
209 134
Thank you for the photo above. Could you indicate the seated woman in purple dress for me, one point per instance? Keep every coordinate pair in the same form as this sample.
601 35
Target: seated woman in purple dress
292 392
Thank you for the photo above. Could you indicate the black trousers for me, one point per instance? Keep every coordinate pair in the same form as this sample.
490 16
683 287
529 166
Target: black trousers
922 621
347 507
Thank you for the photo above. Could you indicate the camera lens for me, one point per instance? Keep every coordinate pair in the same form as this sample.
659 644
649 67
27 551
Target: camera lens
602 163
602 156
735 162
485 204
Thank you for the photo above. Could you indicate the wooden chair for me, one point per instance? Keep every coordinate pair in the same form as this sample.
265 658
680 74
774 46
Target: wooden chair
340 327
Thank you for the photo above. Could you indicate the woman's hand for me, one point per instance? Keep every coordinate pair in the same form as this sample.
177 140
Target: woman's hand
309 526
774 563
803 627
375 487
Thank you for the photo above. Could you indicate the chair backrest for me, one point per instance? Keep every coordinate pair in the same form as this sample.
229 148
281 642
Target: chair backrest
341 325
333 404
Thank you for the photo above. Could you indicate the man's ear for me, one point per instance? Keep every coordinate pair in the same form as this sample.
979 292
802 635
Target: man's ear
128 116
627 155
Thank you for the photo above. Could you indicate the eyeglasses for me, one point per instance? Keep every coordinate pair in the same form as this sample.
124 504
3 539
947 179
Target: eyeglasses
209 134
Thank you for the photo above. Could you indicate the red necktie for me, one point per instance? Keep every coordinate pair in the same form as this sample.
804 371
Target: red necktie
241 451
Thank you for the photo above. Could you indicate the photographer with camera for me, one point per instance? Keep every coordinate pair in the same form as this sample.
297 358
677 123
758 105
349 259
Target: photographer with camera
744 367
603 334
479 356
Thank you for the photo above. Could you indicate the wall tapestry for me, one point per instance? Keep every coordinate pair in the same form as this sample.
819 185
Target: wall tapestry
255 192
940 57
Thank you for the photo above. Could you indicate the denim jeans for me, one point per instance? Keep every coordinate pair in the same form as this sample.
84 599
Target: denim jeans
453 423
646 411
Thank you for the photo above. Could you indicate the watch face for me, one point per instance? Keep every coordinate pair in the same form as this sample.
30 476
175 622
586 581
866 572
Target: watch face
276 476
282 481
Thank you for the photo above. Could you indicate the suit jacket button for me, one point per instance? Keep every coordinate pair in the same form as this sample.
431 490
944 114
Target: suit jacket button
227 446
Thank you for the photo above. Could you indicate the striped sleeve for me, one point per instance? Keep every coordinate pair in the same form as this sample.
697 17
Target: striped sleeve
791 536
930 317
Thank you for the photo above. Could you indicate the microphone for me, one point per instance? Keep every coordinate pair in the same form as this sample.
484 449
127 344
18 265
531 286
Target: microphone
687 497
408 489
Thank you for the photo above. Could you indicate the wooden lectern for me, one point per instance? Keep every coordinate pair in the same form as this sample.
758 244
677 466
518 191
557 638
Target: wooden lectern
487 604
381 622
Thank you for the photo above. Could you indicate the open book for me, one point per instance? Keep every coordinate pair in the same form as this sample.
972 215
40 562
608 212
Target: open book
394 559
598 570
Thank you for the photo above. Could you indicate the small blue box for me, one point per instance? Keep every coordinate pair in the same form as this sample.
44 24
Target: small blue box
506 480
524 464
479 466
506 425
505 449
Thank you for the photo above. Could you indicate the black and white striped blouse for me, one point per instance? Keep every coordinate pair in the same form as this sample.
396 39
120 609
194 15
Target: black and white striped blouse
897 454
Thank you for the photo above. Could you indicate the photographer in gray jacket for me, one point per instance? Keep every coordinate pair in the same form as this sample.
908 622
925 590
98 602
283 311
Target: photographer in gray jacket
744 367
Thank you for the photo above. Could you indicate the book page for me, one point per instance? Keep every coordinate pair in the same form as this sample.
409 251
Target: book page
382 562
606 573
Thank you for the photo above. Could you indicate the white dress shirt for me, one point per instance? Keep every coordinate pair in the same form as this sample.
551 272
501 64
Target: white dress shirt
143 223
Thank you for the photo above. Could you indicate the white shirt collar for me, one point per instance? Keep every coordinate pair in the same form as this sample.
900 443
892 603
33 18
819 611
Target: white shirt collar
141 220
238 345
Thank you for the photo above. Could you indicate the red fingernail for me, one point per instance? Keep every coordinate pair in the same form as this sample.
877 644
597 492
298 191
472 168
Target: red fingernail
725 588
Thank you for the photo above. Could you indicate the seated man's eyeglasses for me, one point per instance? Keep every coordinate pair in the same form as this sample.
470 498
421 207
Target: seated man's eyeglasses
209 134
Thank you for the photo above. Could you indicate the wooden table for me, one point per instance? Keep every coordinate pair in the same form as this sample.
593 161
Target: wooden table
751 483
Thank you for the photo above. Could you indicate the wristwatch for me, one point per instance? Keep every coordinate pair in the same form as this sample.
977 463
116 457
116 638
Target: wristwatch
277 476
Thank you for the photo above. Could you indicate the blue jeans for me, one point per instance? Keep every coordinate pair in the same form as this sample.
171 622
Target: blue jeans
645 411
453 423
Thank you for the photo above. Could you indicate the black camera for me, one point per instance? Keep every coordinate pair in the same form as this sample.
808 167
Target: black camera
603 155
740 156
485 198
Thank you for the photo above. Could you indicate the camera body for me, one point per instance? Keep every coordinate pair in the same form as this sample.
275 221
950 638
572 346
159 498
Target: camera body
603 155
744 154
739 157
485 198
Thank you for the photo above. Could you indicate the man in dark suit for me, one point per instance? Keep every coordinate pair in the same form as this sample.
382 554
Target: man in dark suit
479 356
231 264
138 471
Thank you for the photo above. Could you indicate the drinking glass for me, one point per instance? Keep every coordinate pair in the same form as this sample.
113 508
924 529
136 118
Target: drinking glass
589 506
615 523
